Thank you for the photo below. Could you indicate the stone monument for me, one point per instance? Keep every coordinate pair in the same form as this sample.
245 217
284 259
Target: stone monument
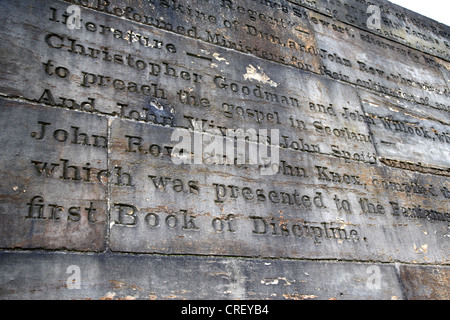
223 149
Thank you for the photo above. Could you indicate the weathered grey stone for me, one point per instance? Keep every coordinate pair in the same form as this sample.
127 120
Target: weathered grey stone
390 69
397 24
315 206
102 276
270 31
147 61
400 133
53 190
120 151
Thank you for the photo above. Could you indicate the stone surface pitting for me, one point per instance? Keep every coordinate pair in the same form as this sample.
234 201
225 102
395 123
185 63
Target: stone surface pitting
91 117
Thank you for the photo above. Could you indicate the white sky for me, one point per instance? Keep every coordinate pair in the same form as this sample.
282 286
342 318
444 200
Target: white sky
438 10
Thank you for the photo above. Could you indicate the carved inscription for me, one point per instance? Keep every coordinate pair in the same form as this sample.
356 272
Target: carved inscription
95 120
399 136
397 24
52 198
273 31
388 76
318 202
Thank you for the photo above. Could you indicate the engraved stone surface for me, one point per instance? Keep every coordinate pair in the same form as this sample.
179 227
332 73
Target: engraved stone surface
408 132
53 178
389 69
397 24
252 148
315 206
275 32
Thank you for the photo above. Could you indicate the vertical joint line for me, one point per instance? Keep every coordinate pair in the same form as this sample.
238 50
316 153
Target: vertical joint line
108 185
